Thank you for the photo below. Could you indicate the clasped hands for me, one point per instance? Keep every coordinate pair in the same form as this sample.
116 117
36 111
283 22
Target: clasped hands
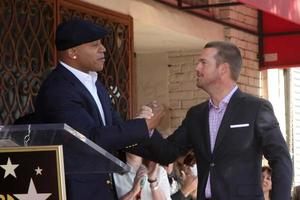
152 113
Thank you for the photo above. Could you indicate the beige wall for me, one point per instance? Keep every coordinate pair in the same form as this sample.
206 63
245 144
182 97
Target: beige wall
170 79
152 84
160 28
182 85
250 78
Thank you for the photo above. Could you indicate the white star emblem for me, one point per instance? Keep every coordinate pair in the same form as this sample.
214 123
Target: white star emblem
38 171
9 168
32 194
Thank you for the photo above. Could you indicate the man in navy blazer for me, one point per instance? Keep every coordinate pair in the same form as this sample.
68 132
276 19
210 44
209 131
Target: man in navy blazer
72 94
229 134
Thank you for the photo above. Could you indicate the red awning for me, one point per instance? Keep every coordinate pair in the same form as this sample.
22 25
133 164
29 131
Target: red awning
286 9
280 32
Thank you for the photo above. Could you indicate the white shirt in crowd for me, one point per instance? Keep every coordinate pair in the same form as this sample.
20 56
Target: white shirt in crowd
124 183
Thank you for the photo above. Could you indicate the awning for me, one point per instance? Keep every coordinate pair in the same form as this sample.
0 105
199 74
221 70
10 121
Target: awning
286 9
279 27
280 32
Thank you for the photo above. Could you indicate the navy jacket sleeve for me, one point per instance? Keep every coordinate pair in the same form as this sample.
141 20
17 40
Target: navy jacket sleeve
275 151
165 151
63 99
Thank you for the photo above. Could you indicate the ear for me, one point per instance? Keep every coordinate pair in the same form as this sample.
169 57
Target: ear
72 53
225 68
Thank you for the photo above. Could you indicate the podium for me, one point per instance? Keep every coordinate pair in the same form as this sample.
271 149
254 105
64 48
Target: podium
76 147
35 158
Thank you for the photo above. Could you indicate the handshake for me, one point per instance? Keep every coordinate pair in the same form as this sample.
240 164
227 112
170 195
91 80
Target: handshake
152 113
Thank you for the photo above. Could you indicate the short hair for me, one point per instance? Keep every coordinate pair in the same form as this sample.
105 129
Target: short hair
190 159
227 53
267 169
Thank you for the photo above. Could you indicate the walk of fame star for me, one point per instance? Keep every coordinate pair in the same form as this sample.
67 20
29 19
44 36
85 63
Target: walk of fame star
38 171
9 168
32 194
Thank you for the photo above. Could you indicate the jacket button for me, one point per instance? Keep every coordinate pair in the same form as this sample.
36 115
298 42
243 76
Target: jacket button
212 164
108 182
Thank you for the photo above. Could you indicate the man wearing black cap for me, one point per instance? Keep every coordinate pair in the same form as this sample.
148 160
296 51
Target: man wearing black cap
71 94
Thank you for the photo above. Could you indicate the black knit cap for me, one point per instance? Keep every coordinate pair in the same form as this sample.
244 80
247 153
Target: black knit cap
76 32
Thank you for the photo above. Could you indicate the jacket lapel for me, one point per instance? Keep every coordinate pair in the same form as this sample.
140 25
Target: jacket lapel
80 87
230 113
200 126
206 131
105 101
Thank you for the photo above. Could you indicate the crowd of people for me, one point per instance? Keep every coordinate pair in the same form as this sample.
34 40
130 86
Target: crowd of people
182 180
146 180
216 153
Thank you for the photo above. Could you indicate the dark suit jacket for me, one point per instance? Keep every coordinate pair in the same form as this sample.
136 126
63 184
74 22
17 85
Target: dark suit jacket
64 99
235 164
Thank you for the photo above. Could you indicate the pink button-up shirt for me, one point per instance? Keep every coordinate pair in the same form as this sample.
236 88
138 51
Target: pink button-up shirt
216 114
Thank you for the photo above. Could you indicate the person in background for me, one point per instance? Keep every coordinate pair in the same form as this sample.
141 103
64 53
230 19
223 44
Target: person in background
73 94
266 182
186 174
173 179
183 179
146 181
296 193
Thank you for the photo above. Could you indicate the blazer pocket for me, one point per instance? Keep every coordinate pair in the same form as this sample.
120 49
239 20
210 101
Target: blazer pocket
249 190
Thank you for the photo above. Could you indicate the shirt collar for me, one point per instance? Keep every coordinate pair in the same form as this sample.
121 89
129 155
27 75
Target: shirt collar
225 100
83 77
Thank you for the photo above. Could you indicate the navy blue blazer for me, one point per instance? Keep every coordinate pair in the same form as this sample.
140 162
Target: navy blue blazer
249 129
62 98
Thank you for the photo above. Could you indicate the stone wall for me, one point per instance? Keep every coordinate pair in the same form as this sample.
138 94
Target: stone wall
249 80
183 92
152 83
